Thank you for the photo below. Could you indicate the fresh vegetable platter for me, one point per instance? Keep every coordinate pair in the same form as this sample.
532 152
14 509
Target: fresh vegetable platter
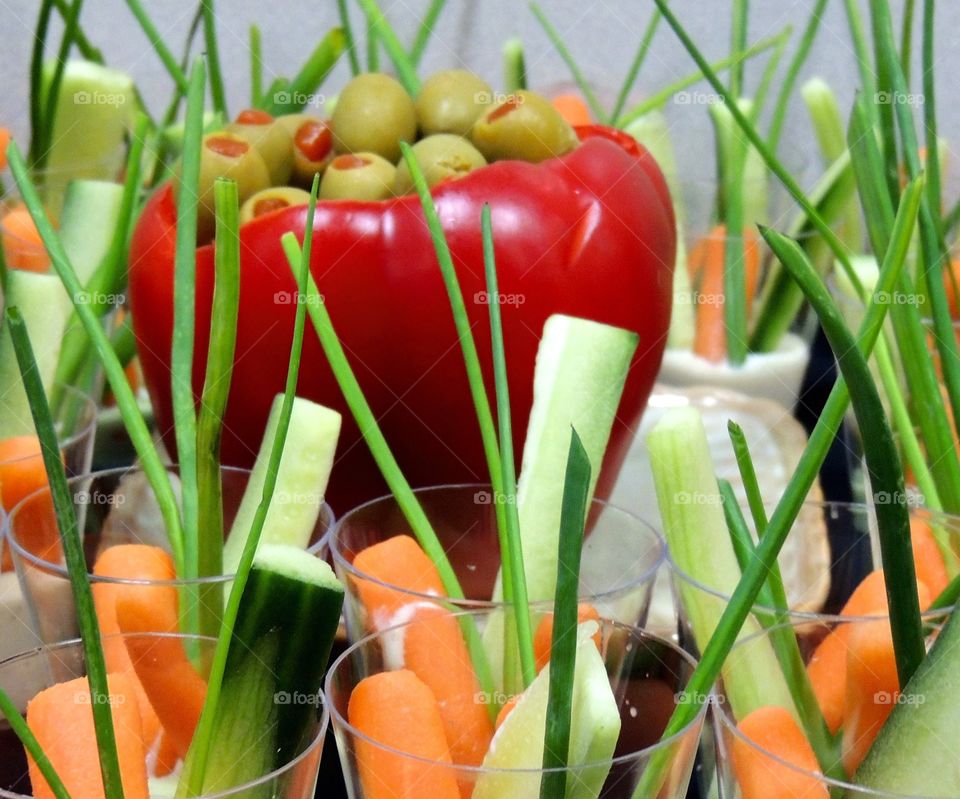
440 283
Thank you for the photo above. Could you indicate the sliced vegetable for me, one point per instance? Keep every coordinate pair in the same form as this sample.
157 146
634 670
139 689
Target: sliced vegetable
22 245
91 213
400 562
301 480
422 770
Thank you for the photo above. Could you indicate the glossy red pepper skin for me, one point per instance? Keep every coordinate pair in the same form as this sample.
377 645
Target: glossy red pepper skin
590 234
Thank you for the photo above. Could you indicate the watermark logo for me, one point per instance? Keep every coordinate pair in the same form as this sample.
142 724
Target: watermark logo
493 498
908 498
697 698
299 99
898 698
697 98
98 499
296 498
485 298
897 298
84 698
498 98
113 99
99 298
296 298
697 498
296 698
899 98
498 698
698 298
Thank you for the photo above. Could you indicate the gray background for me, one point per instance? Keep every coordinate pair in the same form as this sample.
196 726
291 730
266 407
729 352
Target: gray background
602 33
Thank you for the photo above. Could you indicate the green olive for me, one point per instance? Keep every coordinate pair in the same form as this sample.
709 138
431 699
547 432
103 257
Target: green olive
276 198
271 139
441 157
523 126
451 101
226 155
373 115
358 176
312 150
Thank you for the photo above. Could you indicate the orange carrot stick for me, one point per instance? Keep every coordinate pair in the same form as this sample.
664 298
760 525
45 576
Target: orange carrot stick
175 689
507 709
435 651
398 561
62 719
573 109
931 568
22 246
543 639
396 709
21 473
706 264
134 562
759 775
4 143
872 685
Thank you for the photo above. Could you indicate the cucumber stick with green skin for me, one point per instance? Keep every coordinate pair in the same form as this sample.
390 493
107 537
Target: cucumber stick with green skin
516 752
696 531
917 753
578 380
91 213
269 707
301 482
45 307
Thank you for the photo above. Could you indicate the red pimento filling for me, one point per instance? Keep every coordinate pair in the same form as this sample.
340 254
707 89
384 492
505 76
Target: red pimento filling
269 204
254 116
314 140
510 104
349 161
227 146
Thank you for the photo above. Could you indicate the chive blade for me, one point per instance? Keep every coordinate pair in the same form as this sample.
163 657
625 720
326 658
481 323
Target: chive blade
217 92
660 98
126 401
312 74
71 23
932 167
194 775
563 651
514 65
785 93
373 47
184 315
32 746
256 67
635 66
373 436
213 403
425 31
351 42
513 555
73 555
167 58
406 71
84 45
743 546
748 475
37 122
906 36
738 41
883 462
560 46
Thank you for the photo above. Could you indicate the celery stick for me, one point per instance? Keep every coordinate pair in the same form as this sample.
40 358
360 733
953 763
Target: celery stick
696 531
91 213
301 481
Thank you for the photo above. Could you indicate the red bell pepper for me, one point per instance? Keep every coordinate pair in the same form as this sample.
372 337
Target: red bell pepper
589 234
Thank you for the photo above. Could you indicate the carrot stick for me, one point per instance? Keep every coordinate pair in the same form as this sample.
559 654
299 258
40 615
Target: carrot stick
400 562
706 265
4 142
396 709
872 685
62 719
507 709
931 568
21 473
435 651
758 774
175 689
22 246
543 639
167 756
573 109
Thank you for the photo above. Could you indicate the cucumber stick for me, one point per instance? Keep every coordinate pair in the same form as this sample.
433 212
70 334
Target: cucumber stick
594 731
918 749
301 482
94 112
753 175
269 707
578 380
693 520
45 307
91 213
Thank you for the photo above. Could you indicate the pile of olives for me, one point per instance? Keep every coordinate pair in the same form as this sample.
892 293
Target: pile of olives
461 124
